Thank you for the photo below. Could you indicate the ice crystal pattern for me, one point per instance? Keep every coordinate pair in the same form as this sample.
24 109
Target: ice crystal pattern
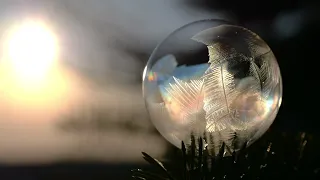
230 103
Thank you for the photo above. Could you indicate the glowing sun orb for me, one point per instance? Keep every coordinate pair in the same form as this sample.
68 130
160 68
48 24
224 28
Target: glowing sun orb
31 49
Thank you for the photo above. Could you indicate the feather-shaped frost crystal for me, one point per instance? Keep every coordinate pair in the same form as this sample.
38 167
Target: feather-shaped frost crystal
215 80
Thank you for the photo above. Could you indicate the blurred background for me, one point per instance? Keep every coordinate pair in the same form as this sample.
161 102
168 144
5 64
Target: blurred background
88 119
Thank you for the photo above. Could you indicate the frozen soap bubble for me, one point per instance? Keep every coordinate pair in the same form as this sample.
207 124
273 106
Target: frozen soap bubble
215 80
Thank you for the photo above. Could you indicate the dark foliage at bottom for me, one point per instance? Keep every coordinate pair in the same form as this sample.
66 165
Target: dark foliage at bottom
276 155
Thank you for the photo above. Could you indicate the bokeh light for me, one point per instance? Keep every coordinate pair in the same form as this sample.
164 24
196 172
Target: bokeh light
30 74
30 50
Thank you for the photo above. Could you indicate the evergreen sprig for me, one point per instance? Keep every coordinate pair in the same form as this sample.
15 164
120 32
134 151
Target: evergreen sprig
273 156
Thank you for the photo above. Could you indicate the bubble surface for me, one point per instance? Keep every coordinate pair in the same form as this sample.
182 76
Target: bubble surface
215 80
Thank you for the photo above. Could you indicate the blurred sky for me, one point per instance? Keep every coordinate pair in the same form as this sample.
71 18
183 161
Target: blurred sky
85 111
104 45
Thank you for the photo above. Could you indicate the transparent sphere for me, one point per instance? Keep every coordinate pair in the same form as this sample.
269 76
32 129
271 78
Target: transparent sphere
215 80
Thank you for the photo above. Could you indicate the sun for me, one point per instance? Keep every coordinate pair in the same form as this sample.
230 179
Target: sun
31 50
30 73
